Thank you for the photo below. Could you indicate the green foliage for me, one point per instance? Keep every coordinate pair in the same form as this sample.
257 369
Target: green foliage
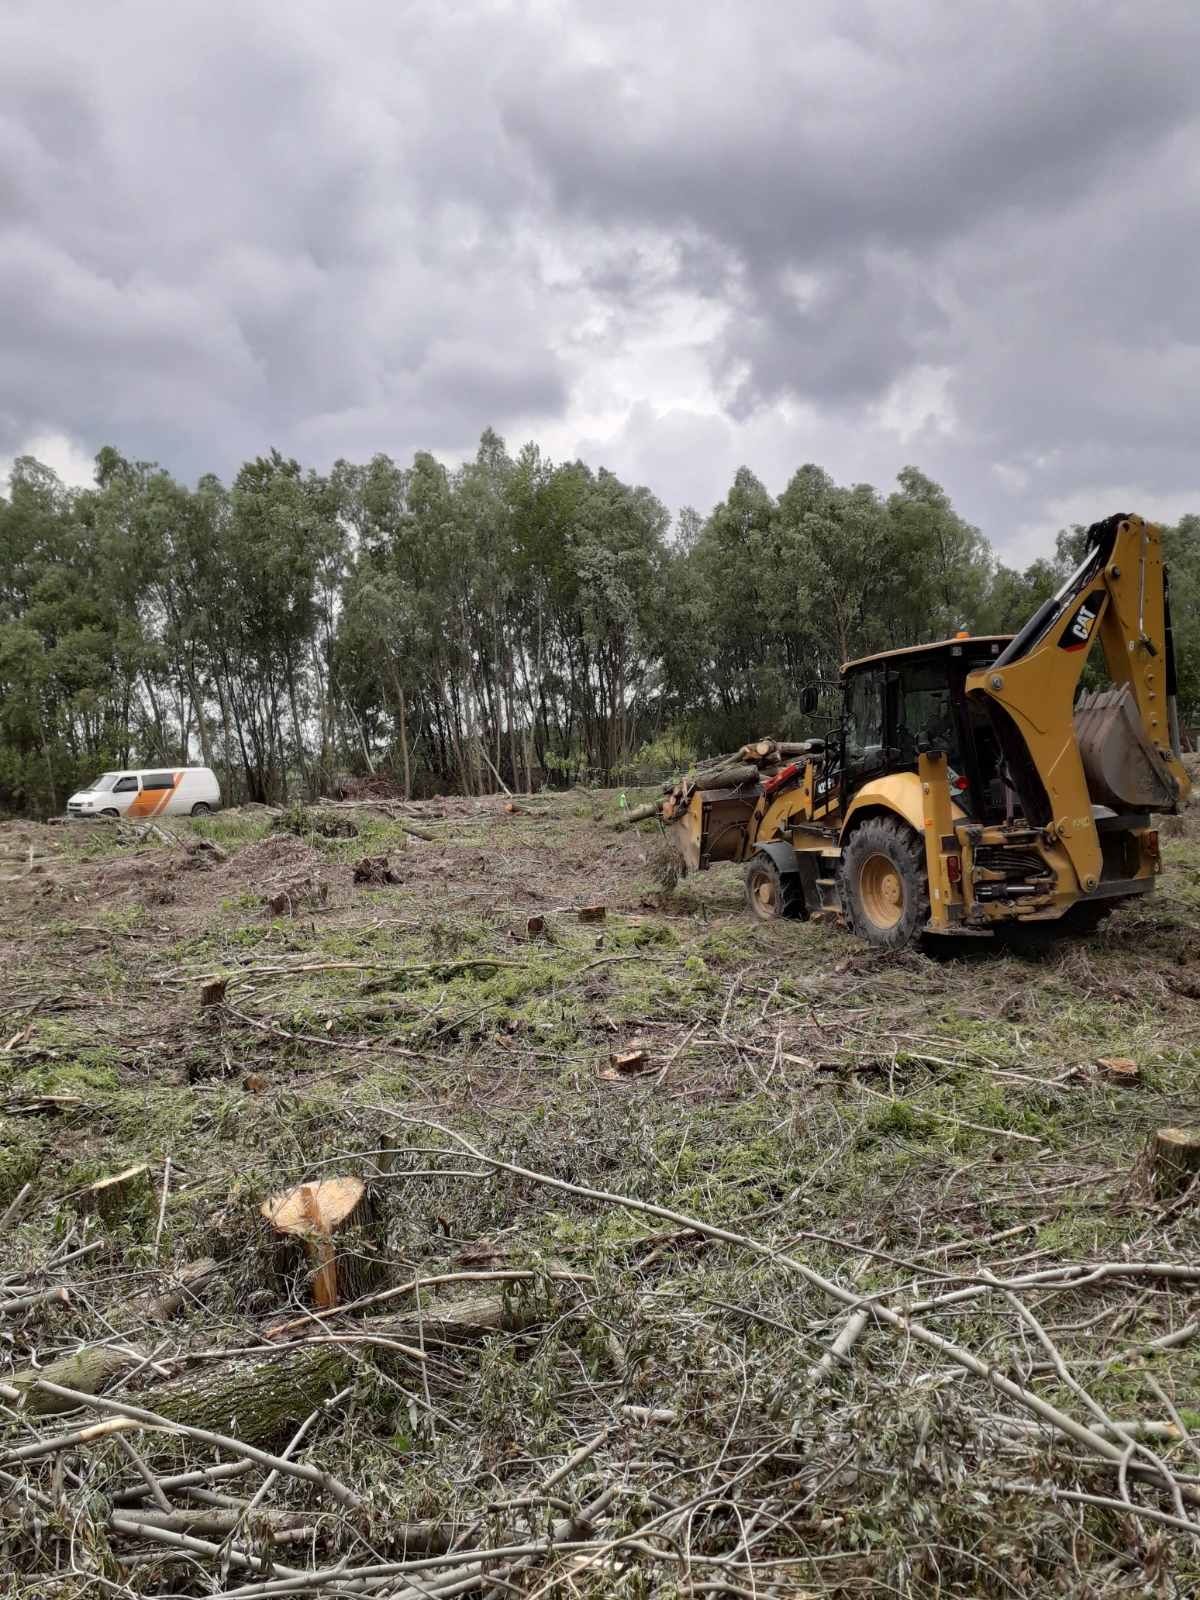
512 620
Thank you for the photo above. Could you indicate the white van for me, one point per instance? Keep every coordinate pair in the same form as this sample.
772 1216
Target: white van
182 792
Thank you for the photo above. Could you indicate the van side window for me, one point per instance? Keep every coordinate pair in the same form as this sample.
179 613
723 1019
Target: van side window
124 785
159 780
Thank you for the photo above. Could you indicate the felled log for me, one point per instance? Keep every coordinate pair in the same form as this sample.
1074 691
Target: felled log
640 813
89 1370
1174 1161
722 777
258 1401
333 1225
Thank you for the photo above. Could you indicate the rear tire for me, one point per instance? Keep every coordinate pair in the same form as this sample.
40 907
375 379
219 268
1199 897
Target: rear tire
201 809
771 894
885 890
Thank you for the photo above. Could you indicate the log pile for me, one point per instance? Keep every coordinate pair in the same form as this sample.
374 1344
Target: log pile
745 769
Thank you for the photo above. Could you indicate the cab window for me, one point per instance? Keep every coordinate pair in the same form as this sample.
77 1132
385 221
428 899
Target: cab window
924 713
864 721
125 785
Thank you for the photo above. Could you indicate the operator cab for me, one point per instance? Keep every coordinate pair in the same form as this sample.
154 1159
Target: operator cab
903 702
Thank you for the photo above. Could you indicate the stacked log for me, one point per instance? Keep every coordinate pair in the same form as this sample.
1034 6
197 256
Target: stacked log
745 768
750 765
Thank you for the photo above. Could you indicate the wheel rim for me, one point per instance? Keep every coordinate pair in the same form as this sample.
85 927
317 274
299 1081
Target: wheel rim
881 890
763 894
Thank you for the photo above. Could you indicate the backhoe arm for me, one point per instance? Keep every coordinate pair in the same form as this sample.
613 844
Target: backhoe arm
1119 591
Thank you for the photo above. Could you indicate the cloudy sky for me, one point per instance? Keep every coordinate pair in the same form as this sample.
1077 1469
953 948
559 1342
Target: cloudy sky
671 238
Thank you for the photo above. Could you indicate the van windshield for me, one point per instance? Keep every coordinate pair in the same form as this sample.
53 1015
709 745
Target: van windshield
103 782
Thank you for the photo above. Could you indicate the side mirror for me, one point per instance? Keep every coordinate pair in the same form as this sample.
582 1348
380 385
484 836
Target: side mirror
809 699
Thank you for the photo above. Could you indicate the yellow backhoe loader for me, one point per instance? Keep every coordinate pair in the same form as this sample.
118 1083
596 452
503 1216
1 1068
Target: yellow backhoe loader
967 785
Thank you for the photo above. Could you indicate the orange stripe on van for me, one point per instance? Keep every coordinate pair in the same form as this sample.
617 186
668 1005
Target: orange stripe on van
166 794
149 802
143 804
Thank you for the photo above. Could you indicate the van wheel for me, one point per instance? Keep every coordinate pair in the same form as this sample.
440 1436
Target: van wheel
884 885
771 894
201 809
110 811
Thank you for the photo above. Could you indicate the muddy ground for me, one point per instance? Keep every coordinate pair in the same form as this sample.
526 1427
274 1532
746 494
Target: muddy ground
886 1128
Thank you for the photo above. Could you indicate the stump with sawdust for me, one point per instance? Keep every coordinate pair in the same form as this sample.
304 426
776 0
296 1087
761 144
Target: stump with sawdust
331 1229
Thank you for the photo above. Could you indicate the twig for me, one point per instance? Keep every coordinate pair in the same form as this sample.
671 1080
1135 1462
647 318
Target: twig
44 1297
68 1441
220 1441
15 1206
842 1345
1077 1497
1056 1419
147 1477
162 1205
187 1480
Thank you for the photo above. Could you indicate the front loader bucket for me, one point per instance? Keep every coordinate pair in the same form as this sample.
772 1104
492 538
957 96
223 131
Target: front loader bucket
712 827
1122 767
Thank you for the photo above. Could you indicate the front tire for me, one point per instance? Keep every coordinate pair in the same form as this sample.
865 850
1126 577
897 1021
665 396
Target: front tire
771 894
201 809
885 889
110 811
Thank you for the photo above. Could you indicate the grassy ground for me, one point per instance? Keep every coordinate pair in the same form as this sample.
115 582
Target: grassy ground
900 1124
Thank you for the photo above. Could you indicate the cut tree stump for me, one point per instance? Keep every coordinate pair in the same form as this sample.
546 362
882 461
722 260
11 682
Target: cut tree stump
1174 1161
109 1197
375 870
213 992
286 901
333 1225
591 913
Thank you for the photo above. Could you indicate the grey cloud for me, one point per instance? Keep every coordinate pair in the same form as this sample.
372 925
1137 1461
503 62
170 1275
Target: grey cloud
348 227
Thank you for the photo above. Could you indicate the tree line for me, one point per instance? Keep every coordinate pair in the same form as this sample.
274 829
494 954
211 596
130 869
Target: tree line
509 621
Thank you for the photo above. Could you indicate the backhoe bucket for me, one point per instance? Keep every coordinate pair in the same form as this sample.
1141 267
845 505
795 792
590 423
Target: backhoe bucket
1122 767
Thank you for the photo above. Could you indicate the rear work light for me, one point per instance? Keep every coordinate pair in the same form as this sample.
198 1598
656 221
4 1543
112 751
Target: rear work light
954 868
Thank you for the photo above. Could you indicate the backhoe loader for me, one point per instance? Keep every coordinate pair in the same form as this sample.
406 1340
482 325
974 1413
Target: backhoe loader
968 786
